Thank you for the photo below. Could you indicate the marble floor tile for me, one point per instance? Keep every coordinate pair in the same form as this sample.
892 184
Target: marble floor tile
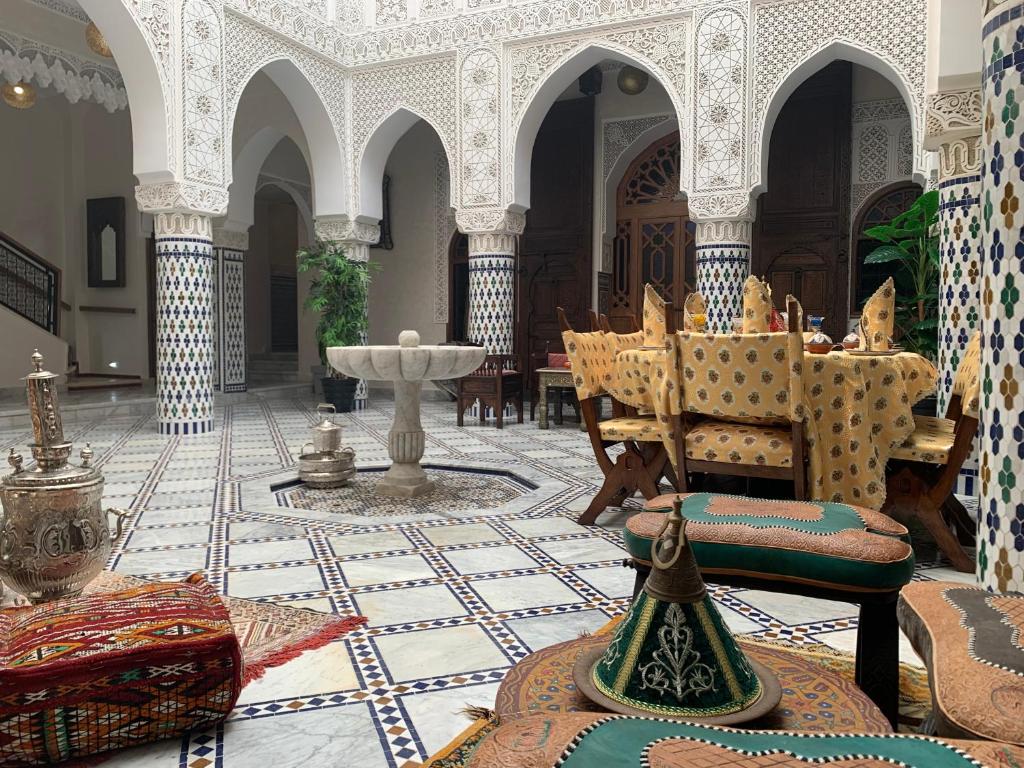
516 592
541 631
588 550
270 552
796 611
274 581
432 653
612 581
362 543
408 605
139 563
545 526
318 672
439 715
489 559
380 570
464 533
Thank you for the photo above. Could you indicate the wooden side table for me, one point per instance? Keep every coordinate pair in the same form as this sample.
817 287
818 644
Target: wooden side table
557 378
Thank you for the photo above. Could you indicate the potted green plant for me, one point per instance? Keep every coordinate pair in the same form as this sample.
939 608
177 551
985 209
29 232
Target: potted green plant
911 240
339 293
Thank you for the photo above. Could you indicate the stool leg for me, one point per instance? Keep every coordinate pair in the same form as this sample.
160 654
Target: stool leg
642 572
878 656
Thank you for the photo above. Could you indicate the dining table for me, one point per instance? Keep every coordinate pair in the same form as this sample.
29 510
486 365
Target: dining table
858 404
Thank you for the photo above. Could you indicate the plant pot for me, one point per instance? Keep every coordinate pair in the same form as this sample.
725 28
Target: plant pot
341 393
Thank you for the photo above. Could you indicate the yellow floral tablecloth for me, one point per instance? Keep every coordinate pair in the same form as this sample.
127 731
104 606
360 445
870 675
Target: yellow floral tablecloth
859 411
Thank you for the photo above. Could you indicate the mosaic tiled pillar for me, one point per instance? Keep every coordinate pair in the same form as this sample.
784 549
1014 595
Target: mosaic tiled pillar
960 246
723 263
492 291
184 330
229 249
1001 531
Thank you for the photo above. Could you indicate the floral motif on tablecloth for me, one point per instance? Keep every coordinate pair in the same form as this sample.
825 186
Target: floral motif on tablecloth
740 444
757 306
967 382
879 316
590 358
860 412
654 316
621 341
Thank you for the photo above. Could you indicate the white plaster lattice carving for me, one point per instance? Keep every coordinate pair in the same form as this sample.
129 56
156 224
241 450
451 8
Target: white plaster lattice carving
859 193
391 11
63 8
720 83
181 224
426 88
342 228
731 205
444 229
476 221
202 80
952 114
49 67
179 196
232 239
724 231
619 135
877 110
960 157
431 8
873 154
905 153
788 33
492 243
480 115
252 48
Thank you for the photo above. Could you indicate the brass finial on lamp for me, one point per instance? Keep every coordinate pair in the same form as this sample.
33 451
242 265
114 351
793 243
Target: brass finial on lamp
20 95
96 42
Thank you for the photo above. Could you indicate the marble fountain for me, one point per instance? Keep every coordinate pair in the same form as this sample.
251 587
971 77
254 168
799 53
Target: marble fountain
408 365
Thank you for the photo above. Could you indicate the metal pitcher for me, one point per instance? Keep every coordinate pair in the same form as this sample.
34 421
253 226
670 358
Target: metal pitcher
54 536
326 434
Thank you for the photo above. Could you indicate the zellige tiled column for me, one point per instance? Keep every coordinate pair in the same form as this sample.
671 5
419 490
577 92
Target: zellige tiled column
356 237
184 325
229 247
954 131
1001 533
492 250
723 263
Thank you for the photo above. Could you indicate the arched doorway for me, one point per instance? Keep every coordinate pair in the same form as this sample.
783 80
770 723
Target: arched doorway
880 208
654 238
458 288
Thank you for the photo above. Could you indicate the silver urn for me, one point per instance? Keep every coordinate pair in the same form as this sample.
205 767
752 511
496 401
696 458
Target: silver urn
54 537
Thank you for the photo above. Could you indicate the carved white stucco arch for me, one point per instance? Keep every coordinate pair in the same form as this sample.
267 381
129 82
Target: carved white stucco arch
373 156
143 49
326 156
247 167
828 52
567 68
297 197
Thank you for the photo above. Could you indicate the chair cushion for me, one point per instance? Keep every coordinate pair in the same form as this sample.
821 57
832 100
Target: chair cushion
931 441
557 359
970 641
757 306
837 546
639 428
113 670
740 444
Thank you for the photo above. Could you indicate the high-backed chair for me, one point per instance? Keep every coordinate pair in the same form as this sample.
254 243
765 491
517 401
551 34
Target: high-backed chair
755 379
497 382
922 472
644 459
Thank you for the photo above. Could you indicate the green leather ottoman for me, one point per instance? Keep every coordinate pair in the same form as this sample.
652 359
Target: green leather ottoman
815 549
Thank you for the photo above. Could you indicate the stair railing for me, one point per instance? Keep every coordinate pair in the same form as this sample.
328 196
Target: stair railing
29 285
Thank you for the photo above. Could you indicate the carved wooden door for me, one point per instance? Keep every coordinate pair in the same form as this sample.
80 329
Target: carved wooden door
801 237
555 250
654 240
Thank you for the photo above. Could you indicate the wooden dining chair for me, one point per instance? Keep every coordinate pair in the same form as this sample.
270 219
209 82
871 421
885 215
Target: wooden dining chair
643 460
923 471
743 404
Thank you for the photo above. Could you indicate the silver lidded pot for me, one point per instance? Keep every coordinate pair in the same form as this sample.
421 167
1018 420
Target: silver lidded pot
328 465
54 537
326 434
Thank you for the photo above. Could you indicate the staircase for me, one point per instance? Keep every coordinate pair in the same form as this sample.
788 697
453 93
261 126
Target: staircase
268 368
29 312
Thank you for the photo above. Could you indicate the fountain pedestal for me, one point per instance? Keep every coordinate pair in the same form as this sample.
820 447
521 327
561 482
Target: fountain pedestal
408 365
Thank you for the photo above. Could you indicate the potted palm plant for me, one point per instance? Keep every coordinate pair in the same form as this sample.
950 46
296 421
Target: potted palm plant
339 293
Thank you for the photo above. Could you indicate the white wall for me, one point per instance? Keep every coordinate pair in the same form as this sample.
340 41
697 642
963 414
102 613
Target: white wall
402 291
954 28
59 155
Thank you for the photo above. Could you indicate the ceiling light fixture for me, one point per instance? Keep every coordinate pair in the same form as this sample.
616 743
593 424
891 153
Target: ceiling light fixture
21 95
96 42
632 81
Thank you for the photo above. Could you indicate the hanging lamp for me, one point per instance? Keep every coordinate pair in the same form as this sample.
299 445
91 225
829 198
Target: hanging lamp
20 95
96 41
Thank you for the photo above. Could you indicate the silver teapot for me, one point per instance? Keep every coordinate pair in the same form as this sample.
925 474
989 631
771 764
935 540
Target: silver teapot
54 536
326 434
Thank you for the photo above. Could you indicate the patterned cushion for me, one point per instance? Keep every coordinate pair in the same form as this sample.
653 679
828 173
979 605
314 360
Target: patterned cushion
740 444
825 544
654 316
757 306
591 739
970 640
113 670
642 429
621 341
590 356
931 441
967 382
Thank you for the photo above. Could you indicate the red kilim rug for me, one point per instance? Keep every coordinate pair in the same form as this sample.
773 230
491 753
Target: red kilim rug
269 634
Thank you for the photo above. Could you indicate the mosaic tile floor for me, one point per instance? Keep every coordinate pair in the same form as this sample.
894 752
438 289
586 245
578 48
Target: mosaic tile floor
454 594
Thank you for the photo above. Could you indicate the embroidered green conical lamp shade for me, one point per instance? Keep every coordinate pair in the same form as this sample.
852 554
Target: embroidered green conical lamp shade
673 656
